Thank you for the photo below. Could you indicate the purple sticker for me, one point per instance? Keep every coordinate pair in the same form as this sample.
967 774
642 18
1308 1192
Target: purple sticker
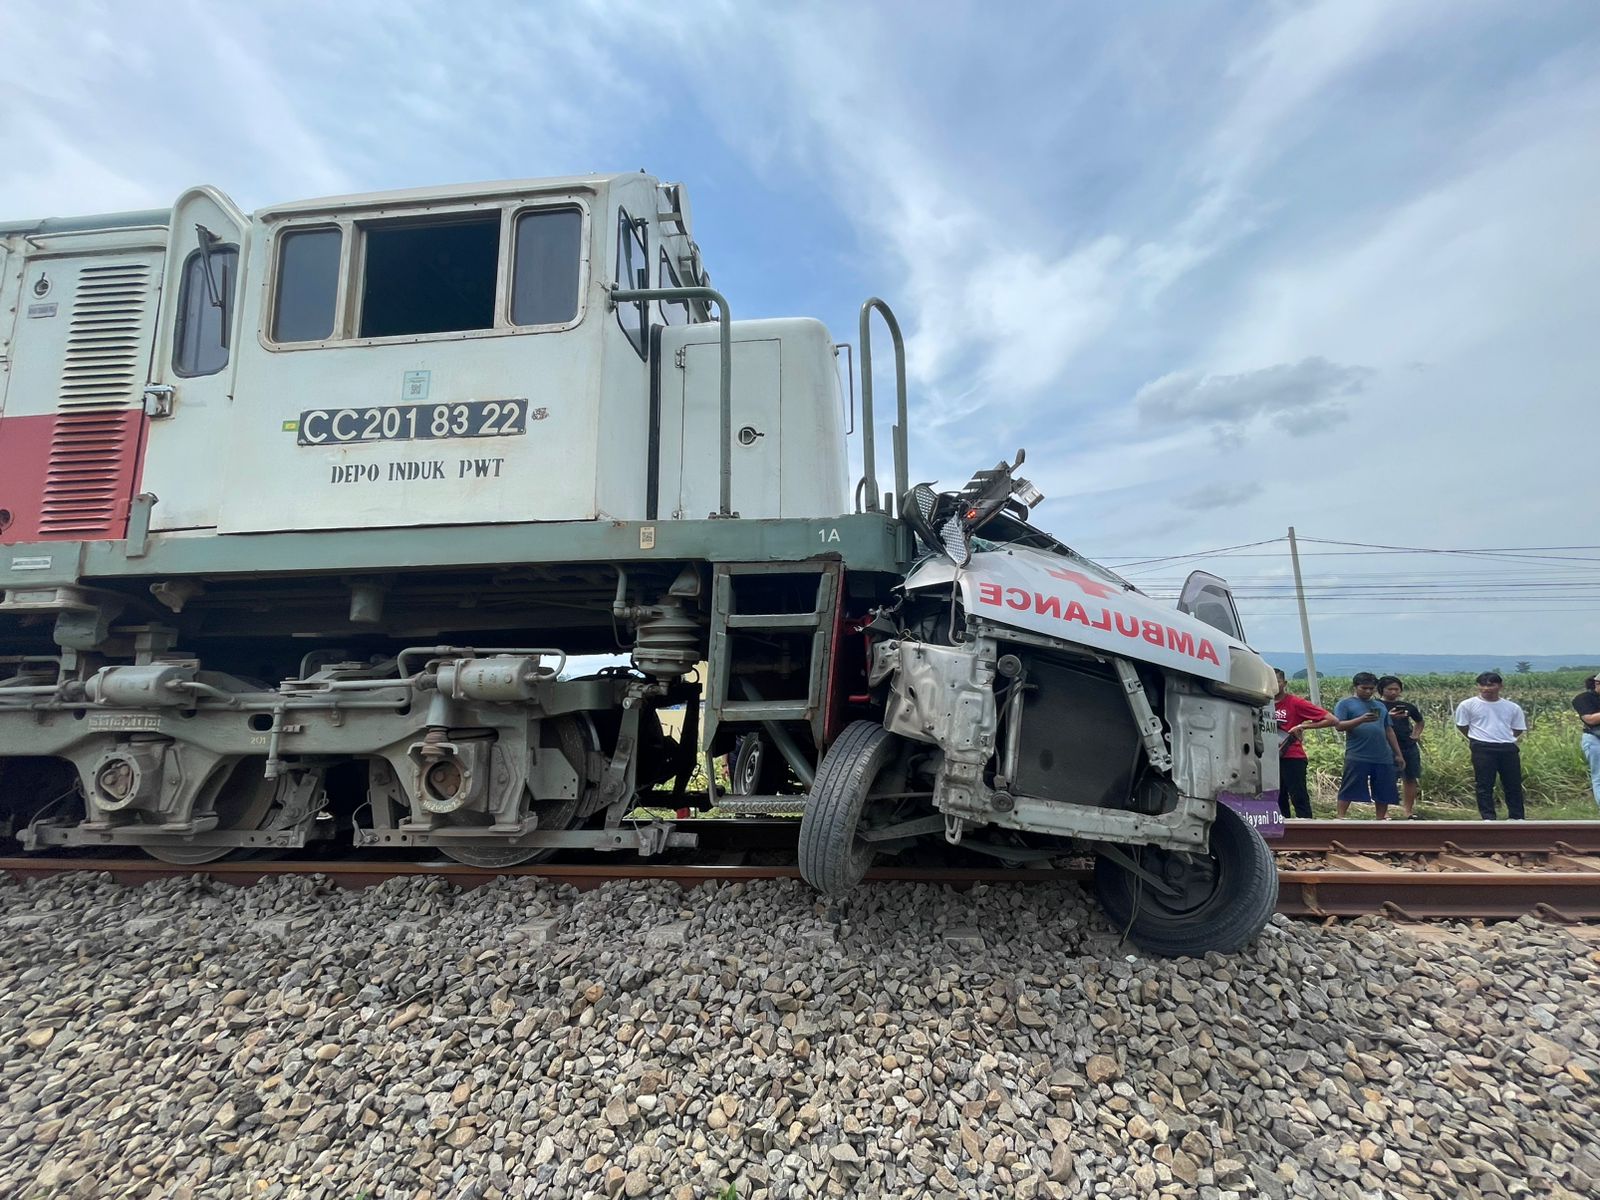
1261 812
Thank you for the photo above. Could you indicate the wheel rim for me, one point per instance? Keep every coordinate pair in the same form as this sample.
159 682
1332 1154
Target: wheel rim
1196 882
847 799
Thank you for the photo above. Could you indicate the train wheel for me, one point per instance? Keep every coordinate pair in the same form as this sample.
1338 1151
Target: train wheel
557 814
833 857
553 815
243 802
1220 900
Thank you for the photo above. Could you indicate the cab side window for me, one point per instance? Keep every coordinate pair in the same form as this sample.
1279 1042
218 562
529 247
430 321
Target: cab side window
546 270
205 311
633 271
308 285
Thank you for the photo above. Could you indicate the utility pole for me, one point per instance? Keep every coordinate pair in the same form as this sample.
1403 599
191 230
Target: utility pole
1305 623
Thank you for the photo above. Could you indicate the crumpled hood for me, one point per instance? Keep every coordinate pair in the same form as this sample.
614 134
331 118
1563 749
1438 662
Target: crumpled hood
1073 600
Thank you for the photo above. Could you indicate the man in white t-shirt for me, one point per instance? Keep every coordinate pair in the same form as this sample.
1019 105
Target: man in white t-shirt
1492 727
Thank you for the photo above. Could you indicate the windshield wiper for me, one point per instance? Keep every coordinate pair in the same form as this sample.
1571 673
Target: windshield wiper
215 292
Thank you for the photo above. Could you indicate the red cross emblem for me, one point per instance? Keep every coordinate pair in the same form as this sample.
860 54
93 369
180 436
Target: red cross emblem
1092 587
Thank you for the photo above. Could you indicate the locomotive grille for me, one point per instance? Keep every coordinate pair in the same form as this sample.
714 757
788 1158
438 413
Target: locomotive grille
103 368
91 450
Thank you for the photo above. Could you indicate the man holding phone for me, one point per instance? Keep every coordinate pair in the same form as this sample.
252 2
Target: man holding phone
1407 721
1372 758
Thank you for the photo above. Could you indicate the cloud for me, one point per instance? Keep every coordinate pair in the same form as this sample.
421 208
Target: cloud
305 99
1110 235
1221 495
1296 398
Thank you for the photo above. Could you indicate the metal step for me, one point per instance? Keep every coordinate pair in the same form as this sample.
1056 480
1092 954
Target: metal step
773 621
761 806
766 710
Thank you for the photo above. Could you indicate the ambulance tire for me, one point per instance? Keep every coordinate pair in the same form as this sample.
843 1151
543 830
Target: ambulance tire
1228 896
832 858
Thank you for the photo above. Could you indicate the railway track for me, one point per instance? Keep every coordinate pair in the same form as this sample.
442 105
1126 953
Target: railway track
1407 870
1439 869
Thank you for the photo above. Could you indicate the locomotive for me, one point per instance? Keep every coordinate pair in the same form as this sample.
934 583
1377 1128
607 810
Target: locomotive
314 520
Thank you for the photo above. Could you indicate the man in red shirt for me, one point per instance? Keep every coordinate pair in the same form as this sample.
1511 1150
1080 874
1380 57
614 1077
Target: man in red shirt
1295 715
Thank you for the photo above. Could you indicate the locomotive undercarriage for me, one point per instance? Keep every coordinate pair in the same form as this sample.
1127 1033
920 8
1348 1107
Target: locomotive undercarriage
490 758
487 755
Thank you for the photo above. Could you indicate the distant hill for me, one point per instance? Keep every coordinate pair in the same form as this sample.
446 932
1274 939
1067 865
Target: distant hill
1290 661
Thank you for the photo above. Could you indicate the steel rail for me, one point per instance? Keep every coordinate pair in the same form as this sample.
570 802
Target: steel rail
1299 837
1439 837
1500 893
1316 837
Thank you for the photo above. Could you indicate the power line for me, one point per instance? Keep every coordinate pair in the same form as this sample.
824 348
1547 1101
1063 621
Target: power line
1420 612
1502 580
1219 550
1511 553
1519 553
1401 590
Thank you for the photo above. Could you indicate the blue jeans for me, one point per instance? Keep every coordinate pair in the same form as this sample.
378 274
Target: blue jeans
1591 751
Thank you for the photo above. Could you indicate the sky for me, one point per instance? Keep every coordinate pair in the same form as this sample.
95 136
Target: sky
1221 268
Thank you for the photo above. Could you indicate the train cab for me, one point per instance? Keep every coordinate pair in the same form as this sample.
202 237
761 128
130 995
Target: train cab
413 358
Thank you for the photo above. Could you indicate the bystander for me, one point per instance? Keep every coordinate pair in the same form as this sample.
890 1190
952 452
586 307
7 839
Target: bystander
1372 758
1295 715
1587 705
1407 721
1492 727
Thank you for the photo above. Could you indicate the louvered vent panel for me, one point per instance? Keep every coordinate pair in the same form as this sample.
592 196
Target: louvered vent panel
86 484
102 386
105 358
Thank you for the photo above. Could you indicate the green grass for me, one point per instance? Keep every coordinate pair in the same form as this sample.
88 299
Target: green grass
1554 773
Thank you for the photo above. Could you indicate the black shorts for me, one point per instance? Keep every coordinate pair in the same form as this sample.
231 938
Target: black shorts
1412 753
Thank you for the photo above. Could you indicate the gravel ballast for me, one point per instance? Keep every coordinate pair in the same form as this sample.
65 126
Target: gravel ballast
189 1039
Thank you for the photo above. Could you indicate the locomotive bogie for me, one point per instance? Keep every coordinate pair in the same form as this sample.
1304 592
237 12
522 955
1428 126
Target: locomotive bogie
462 749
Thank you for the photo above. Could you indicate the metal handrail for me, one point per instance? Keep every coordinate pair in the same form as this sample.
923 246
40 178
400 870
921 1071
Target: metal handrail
628 295
869 447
